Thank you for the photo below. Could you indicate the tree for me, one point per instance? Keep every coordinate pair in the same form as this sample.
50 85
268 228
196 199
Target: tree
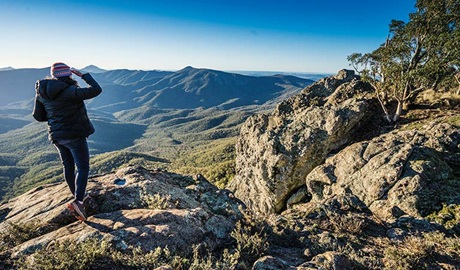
422 53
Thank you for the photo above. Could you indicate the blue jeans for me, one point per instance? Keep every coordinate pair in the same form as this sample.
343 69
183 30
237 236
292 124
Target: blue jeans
75 152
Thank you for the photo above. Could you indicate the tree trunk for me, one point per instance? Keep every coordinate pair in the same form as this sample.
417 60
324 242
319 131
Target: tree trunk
382 100
399 110
457 78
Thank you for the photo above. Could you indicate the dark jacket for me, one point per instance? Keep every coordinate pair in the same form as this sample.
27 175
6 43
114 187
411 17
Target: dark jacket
62 106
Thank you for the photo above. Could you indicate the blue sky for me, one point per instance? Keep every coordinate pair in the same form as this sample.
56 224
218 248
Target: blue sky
284 35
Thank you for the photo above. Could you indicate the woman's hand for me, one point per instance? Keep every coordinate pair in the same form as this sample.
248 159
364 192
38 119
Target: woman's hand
76 72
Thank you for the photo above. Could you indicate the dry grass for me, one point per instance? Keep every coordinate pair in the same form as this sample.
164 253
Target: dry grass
431 97
425 252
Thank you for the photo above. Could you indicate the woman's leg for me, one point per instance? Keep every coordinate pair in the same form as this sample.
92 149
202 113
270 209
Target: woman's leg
68 166
80 153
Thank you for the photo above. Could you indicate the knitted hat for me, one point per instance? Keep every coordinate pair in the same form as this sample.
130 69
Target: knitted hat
60 70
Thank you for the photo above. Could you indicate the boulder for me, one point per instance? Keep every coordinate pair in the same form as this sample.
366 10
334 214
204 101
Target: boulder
274 153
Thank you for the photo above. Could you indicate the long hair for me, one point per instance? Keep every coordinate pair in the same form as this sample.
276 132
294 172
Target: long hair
68 80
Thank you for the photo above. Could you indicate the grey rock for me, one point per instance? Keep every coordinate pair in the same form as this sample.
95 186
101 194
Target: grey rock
301 195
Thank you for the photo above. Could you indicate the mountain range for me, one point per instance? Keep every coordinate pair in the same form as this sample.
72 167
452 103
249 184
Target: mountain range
183 89
159 113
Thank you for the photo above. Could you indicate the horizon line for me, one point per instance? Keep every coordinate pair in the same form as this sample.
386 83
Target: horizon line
7 68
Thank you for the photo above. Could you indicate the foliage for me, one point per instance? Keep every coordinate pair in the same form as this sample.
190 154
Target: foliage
41 174
412 255
111 136
22 142
10 174
215 161
250 242
110 161
7 159
156 201
39 157
422 53
13 234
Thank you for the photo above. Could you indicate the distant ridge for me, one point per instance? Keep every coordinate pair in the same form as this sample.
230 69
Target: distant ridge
6 68
304 75
196 87
187 88
93 69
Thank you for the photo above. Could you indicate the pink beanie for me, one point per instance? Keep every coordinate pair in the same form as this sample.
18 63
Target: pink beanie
60 70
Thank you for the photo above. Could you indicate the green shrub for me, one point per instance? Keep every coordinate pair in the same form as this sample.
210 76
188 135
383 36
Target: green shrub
250 243
448 216
156 201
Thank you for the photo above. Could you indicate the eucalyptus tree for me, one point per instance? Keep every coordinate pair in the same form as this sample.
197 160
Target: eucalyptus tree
422 53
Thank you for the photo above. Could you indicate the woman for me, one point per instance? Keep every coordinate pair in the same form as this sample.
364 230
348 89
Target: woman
59 100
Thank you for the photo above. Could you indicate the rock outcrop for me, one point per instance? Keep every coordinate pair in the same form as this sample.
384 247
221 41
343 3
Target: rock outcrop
274 153
131 207
395 174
